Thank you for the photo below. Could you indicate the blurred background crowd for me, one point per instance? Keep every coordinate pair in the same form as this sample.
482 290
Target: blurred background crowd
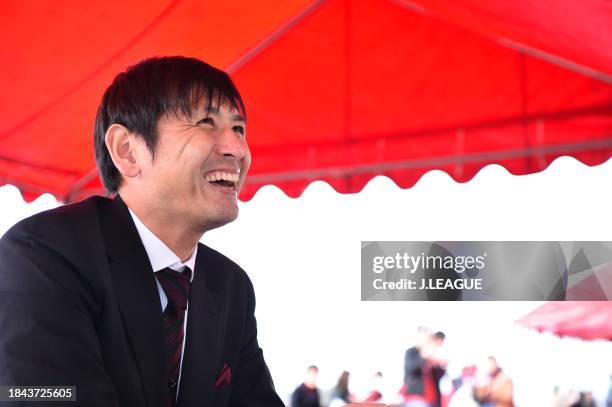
432 380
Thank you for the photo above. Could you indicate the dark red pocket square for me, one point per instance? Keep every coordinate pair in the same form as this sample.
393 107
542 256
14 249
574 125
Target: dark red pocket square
225 377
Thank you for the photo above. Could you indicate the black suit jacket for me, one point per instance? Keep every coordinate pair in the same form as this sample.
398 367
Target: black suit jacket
79 306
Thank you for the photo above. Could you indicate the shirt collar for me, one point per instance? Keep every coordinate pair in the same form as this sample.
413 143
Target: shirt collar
159 254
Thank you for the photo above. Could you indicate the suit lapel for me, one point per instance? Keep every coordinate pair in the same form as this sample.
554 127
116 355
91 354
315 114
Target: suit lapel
205 333
138 298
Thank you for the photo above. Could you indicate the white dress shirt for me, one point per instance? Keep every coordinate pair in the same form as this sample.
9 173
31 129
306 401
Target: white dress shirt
162 257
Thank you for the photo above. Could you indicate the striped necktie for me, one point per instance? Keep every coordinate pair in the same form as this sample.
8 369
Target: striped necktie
176 287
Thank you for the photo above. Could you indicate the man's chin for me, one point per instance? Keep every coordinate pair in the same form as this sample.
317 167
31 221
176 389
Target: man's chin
219 220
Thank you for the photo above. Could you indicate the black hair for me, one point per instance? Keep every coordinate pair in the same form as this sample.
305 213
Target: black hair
440 335
138 97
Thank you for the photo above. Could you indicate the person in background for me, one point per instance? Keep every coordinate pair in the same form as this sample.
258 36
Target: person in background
375 394
585 399
341 394
423 370
435 364
559 398
307 393
413 389
495 388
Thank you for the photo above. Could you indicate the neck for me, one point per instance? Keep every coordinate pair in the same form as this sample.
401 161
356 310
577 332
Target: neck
169 229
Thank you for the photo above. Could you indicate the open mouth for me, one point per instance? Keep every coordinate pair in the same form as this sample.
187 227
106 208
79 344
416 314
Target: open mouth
223 183
225 180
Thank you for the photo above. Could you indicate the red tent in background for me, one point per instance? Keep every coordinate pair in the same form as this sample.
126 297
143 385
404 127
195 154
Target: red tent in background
582 319
337 90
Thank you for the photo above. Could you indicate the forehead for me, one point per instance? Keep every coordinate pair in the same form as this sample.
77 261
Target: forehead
197 111
216 105
225 109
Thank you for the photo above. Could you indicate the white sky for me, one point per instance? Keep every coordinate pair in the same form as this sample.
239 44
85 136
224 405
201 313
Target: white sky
303 256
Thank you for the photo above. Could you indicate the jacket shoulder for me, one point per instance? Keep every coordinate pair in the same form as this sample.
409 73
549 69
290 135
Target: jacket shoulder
72 219
69 230
56 252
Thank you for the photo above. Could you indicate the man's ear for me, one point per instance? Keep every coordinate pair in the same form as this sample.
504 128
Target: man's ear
122 146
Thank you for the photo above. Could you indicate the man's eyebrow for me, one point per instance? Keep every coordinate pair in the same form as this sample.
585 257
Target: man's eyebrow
235 117
238 118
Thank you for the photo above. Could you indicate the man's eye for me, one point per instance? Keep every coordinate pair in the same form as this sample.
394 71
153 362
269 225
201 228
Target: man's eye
207 120
239 129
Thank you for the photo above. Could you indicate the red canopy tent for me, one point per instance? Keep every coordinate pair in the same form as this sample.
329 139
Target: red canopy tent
582 319
337 90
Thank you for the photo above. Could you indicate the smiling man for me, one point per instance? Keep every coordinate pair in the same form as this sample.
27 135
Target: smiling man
117 296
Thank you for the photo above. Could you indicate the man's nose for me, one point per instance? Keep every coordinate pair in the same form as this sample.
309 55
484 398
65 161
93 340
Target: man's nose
231 144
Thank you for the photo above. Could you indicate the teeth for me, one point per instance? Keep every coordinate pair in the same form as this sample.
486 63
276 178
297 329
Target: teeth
220 175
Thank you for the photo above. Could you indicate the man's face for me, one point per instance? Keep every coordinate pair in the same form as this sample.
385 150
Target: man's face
491 366
198 168
311 377
423 335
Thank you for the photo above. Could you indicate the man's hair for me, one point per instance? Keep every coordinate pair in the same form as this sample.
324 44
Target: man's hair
138 97
439 335
313 367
